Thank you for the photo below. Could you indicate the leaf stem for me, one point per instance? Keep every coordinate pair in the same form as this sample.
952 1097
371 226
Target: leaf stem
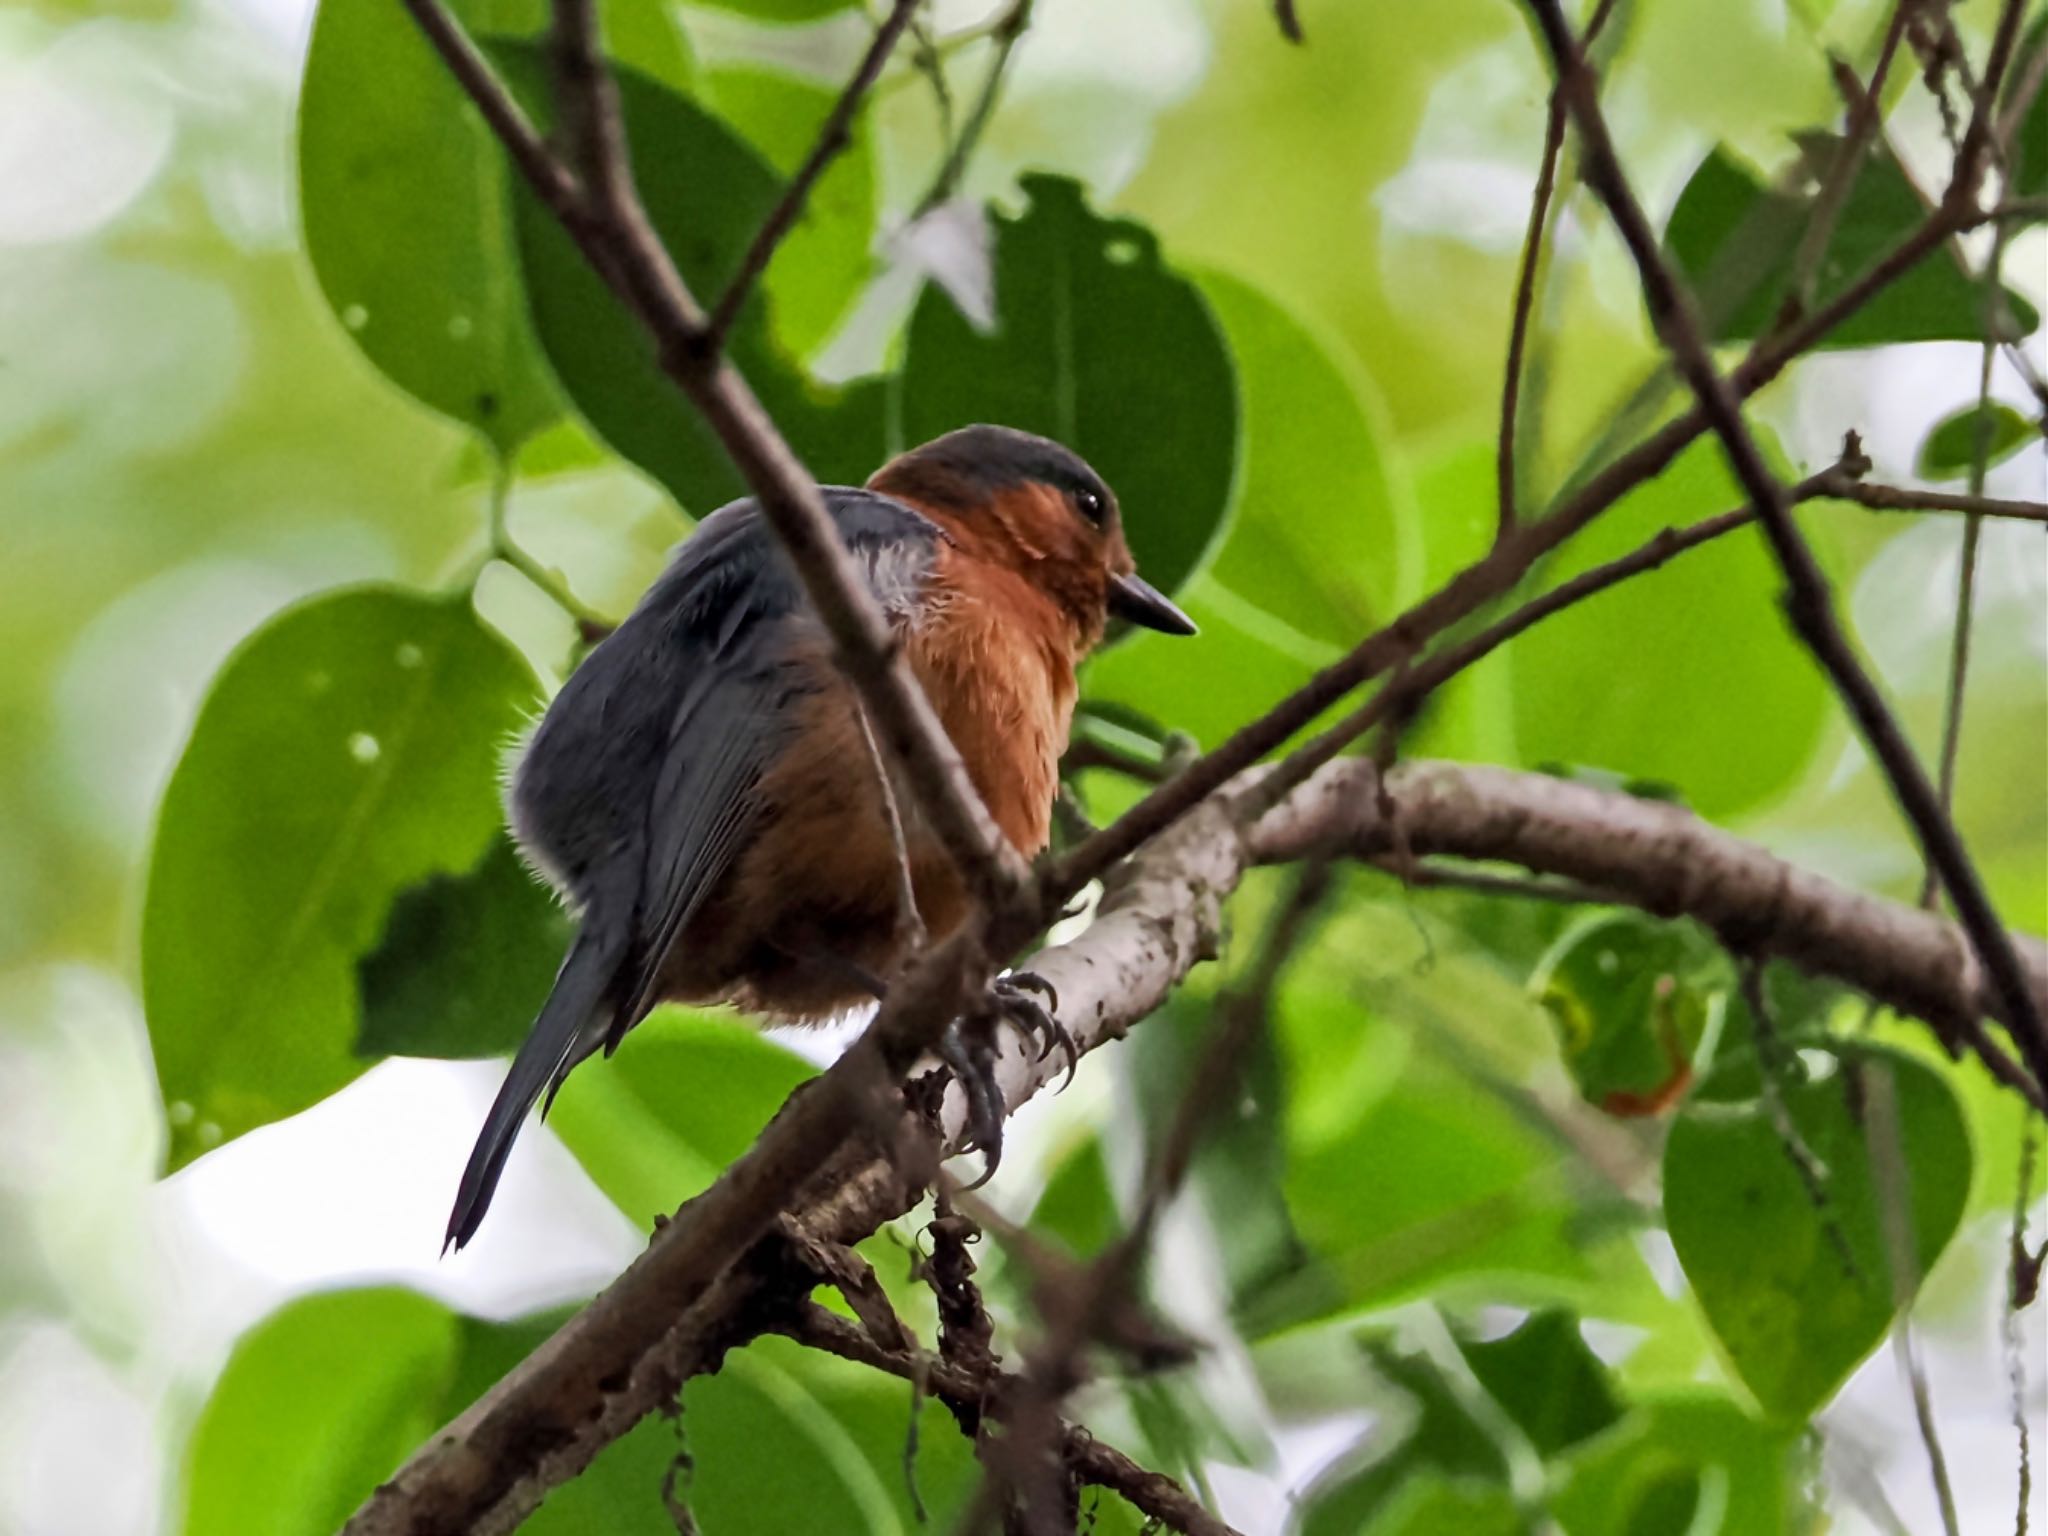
552 584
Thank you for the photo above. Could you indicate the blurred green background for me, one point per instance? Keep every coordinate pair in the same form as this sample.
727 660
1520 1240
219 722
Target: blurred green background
190 440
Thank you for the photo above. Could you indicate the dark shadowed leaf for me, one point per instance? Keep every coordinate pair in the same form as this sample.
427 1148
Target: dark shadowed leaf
1793 1316
685 1095
2030 143
1098 343
347 751
1550 1383
1316 476
707 192
1951 448
1737 240
465 963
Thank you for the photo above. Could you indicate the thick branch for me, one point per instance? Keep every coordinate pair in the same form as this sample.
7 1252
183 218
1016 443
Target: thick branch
683 1302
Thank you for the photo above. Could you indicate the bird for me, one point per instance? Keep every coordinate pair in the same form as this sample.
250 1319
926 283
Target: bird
703 792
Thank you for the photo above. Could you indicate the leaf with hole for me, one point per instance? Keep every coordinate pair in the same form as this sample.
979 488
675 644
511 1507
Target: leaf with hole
1099 343
1798 1293
347 751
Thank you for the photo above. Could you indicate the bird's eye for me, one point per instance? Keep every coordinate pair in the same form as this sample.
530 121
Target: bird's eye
1089 505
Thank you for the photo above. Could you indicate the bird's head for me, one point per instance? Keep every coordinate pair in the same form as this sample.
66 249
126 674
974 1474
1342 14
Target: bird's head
1032 505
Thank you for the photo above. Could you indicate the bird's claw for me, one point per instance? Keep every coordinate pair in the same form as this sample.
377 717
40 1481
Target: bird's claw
968 1049
1011 995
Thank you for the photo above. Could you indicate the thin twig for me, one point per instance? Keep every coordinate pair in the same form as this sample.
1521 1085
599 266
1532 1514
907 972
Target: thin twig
1005 34
1808 603
1152 1494
592 625
2023 1271
1290 21
1904 498
1525 289
1833 197
1891 1181
833 138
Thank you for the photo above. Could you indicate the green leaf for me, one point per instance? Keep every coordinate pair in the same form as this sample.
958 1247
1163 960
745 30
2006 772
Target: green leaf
1624 992
319 1402
1550 1383
782 11
347 751
1685 675
686 1094
764 1458
1951 448
1634 1481
465 963
2030 142
825 260
1764 1263
402 190
1736 241
1315 475
707 192
1101 345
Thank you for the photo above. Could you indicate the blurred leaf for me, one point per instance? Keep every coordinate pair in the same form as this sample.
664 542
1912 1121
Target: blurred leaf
1624 993
404 212
1635 1480
1241 1159
2030 140
1550 1383
1098 344
824 262
347 751
1443 1466
1460 1184
1761 1259
764 1458
1078 1208
1951 448
319 1402
1685 675
1736 241
707 192
465 963
685 1095
1318 547
782 10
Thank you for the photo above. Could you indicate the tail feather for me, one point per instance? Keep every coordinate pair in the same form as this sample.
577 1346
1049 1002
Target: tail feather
572 1023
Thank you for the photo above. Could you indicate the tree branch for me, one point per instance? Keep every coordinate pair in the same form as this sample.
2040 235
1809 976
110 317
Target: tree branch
685 1301
833 138
1808 603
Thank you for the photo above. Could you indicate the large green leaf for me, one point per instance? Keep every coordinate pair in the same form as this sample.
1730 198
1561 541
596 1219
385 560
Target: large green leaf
1098 343
1737 241
707 192
347 751
1315 477
1686 675
1767 1265
318 1403
465 963
402 190
685 1095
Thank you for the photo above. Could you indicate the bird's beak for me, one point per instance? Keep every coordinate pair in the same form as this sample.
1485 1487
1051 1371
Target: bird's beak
1136 599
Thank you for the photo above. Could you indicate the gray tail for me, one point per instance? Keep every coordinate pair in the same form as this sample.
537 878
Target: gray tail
573 1022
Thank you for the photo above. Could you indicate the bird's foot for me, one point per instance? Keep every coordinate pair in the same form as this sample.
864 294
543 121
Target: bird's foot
968 1048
